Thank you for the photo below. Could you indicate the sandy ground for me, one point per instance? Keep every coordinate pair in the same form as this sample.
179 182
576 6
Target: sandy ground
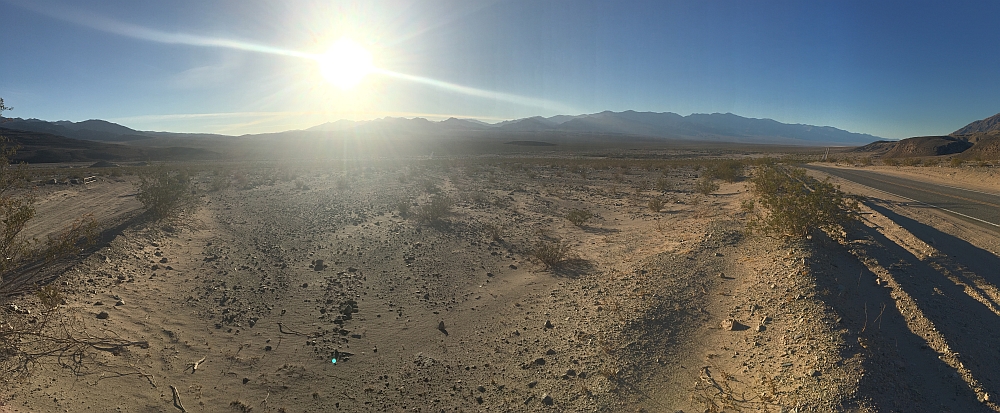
675 310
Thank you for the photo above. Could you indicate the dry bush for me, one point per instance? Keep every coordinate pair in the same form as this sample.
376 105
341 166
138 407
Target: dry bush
436 210
493 231
911 162
164 192
663 184
706 186
550 253
931 162
403 206
890 161
656 204
866 161
579 217
956 162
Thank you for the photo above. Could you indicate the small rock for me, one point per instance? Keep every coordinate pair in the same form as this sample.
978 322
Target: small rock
718 254
479 399
548 324
481 389
539 361
512 266
441 325
99 303
120 303
730 324
547 399
532 384
571 373
103 315
813 373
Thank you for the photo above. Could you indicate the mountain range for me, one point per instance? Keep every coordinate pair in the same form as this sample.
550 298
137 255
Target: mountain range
715 127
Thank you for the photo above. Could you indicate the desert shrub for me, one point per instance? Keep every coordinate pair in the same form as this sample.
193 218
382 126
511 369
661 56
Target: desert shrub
656 204
403 206
493 231
795 205
301 185
865 161
956 162
706 186
911 162
931 162
890 162
663 184
164 192
579 217
437 209
729 170
550 253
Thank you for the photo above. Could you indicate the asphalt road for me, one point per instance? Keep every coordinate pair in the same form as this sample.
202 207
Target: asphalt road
979 207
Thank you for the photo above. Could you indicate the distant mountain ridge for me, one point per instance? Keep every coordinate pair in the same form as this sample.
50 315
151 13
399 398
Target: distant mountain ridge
990 125
715 127
721 127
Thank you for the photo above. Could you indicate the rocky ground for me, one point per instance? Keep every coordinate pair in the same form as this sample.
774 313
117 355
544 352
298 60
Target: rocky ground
315 292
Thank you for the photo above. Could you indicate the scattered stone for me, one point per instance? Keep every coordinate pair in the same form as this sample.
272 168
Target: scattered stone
512 266
97 303
481 389
103 315
120 303
550 352
540 361
571 373
547 399
813 373
479 399
548 324
532 384
730 324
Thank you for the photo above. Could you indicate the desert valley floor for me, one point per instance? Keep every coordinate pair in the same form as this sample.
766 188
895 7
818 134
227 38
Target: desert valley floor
315 289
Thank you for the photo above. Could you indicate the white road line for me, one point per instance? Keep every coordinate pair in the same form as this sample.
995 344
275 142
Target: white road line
930 205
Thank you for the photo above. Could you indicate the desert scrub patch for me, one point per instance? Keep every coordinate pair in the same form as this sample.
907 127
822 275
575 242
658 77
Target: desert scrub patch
956 162
164 192
493 231
656 204
550 253
579 217
706 186
436 210
792 204
730 170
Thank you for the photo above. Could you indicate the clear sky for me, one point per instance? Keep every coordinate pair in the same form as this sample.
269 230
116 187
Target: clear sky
890 68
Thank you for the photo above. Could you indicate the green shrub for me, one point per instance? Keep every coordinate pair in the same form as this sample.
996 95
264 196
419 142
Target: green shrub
579 216
866 161
956 162
794 205
890 162
164 192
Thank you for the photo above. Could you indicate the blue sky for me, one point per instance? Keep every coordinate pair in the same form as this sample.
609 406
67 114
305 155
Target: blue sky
892 69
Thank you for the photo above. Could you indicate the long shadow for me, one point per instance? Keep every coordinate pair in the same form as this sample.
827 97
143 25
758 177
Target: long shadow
43 271
901 373
982 262
970 328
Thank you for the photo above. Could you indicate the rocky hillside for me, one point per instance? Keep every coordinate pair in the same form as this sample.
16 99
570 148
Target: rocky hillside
928 146
988 126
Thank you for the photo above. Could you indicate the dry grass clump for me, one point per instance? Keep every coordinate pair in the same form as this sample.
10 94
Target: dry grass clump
579 217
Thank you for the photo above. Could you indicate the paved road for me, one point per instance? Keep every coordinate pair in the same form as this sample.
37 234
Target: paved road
982 208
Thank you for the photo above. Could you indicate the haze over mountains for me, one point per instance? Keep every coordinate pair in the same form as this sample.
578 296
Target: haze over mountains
716 127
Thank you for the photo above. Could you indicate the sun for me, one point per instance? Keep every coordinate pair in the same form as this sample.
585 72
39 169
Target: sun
345 64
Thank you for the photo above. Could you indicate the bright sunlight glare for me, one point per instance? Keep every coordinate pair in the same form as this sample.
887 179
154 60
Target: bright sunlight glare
345 64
